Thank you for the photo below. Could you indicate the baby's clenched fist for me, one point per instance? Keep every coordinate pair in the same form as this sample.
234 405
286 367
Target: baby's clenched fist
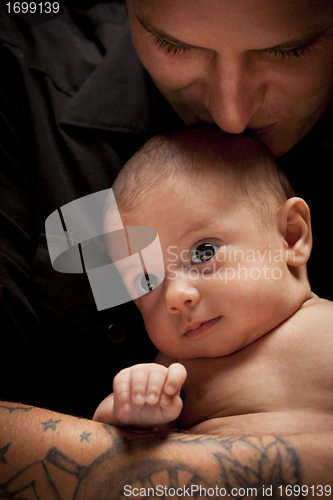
145 395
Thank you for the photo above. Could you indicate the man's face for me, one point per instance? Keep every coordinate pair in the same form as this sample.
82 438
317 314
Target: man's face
261 65
226 277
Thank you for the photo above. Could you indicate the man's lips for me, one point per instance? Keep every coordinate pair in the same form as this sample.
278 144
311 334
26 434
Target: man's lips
258 131
199 328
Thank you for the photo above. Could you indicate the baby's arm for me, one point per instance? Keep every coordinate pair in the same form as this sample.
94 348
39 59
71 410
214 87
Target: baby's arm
145 395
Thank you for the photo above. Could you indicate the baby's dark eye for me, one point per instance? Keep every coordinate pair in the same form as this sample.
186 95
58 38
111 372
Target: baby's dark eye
147 282
204 252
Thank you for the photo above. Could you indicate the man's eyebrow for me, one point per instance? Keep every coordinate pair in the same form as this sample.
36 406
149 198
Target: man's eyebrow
298 42
159 33
290 44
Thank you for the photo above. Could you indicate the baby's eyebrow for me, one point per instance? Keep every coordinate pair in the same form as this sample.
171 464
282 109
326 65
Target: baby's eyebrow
196 227
290 44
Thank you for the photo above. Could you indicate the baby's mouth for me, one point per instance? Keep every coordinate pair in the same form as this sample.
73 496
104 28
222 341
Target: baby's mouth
200 328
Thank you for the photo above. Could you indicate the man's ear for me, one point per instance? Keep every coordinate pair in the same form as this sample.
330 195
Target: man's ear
295 226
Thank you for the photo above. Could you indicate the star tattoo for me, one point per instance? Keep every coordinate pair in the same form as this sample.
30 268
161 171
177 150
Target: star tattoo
51 424
85 436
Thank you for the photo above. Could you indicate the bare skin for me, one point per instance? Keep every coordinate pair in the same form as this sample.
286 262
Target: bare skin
234 393
44 451
51 456
256 348
264 66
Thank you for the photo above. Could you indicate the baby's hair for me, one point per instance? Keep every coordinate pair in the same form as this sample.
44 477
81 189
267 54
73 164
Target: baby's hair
246 164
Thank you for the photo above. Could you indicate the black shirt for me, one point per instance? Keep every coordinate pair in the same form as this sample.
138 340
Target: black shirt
75 104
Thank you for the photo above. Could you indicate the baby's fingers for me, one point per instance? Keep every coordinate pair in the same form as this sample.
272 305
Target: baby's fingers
139 383
122 388
176 377
156 382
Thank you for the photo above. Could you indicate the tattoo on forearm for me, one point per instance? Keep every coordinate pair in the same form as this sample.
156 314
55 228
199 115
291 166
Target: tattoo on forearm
15 408
50 424
85 436
274 462
2 453
225 462
62 462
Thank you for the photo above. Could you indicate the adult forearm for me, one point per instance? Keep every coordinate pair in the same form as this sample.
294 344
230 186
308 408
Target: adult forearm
63 457
46 451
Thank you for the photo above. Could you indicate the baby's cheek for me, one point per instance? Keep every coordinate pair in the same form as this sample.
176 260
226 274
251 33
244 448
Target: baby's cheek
154 330
158 333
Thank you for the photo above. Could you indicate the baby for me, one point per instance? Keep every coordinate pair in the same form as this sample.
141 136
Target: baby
245 346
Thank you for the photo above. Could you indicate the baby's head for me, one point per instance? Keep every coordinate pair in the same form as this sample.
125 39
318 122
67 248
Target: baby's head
235 240
241 165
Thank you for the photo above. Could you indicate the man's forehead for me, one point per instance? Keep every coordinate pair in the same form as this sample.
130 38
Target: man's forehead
312 15
321 4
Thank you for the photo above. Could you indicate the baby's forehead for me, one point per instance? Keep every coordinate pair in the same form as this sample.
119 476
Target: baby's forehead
202 190
207 184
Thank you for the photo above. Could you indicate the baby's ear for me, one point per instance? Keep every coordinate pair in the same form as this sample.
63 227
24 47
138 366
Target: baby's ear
295 226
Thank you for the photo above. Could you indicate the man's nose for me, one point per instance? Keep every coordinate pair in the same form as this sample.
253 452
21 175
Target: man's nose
234 92
181 294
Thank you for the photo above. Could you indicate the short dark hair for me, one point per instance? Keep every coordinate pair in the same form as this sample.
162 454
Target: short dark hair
246 163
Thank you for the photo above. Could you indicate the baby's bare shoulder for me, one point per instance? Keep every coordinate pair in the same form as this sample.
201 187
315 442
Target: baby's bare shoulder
315 312
309 331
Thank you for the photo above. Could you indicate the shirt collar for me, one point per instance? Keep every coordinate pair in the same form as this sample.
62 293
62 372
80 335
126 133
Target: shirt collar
119 94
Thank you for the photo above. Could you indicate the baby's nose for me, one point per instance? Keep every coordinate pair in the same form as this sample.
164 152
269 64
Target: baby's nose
181 294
